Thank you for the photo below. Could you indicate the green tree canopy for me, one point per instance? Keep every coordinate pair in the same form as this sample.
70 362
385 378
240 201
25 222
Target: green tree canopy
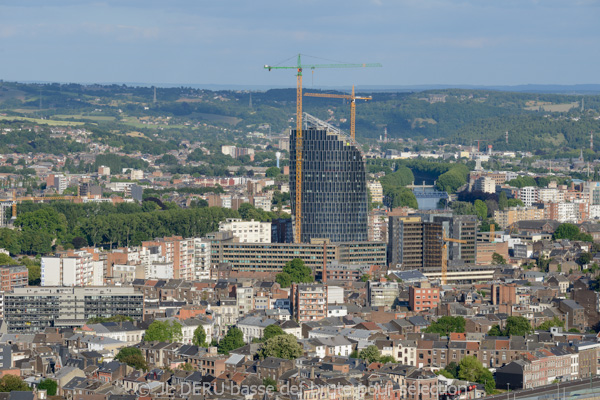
571 232
272 172
497 259
402 177
502 201
463 208
163 331
282 346
370 353
199 338
446 325
272 331
546 325
481 209
517 326
515 203
495 331
234 339
49 385
294 272
470 369
11 383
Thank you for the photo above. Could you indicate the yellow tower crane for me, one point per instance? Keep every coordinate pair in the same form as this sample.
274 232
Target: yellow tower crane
445 240
352 99
299 67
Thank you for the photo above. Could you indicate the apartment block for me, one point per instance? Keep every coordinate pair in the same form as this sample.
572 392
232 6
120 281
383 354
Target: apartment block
179 251
13 276
247 231
423 297
509 216
485 184
382 293
270 257
72 269
405 242
33 309
346 272
309 302
376 191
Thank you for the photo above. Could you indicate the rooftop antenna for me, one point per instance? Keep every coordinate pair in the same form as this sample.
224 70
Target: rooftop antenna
154 100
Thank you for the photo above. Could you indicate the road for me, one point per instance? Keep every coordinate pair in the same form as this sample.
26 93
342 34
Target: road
550 391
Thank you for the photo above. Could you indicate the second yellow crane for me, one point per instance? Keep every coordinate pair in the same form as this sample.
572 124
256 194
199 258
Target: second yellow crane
352 97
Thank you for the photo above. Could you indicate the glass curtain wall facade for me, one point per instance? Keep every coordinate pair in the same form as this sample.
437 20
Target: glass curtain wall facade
334 189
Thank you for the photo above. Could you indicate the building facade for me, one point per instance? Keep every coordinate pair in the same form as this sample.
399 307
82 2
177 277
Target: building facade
33 309
334 187
247 231
309 302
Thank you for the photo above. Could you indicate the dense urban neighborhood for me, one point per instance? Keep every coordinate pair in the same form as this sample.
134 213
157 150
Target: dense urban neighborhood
161 248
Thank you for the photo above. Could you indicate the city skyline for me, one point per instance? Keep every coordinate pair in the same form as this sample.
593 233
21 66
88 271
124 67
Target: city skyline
184 42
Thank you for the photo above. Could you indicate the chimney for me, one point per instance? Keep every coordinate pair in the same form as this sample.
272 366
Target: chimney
312 373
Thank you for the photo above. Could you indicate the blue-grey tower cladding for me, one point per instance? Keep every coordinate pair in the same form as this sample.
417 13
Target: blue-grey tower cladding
334 188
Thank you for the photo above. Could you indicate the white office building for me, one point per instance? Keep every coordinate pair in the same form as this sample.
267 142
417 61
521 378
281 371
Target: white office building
248 231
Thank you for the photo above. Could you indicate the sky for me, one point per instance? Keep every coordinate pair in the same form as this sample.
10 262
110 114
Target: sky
227 42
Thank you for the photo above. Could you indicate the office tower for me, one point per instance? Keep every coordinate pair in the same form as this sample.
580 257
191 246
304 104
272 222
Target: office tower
405 242
334 190
32 309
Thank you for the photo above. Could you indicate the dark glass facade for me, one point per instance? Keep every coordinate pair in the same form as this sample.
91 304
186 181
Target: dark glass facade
334 189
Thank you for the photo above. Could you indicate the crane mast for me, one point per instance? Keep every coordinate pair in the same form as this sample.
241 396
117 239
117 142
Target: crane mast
299 67
352 99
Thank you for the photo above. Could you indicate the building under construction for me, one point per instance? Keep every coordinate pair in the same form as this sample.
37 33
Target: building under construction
334 188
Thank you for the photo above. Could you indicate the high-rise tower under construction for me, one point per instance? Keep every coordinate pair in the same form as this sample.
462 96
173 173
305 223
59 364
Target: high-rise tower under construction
334 189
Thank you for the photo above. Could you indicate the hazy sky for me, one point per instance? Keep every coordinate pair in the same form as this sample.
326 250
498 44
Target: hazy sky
481 42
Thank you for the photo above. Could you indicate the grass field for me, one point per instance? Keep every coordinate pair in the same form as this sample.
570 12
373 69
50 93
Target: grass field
40 121
545 106
90 117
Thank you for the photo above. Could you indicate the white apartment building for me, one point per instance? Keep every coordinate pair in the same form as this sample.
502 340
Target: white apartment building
567 212
485 184
60 183
335 295
158 270
263 202
550 195
247 231
77 270
136 174
528 195
245 297
376 191
202 259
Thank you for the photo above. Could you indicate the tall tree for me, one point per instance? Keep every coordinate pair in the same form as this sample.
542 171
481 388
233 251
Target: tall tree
502 201
199 338
164 331
234 339
370 353
282 346
272 331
